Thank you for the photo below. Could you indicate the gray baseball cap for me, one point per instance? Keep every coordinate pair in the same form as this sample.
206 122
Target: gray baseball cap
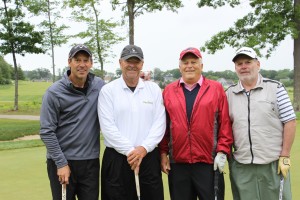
130 51
79 47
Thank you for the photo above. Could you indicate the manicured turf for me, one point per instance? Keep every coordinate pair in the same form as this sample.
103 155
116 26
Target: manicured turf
23 173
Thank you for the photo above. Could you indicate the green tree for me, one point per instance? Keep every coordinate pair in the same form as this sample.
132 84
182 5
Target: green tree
21 75
158 75
175 73
134 8
17 36
5 72
50 11
269 22
98 72
100 34
39 74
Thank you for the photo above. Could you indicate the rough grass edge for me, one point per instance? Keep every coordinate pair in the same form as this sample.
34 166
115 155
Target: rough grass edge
9 145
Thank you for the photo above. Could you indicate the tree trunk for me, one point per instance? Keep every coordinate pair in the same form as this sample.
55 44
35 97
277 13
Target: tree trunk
98 40
130 7
16 107
51 40
10 32
296 103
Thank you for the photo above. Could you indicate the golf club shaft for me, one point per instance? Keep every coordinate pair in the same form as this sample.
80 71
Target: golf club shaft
281 187
137 184
63 191
216 184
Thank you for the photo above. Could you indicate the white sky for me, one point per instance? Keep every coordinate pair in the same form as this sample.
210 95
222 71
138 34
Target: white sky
163 35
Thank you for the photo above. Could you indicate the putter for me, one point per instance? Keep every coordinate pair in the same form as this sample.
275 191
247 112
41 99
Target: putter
216 183
137 184
63 191
281 187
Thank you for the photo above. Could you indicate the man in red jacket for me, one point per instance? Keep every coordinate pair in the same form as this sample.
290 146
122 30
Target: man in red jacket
198 136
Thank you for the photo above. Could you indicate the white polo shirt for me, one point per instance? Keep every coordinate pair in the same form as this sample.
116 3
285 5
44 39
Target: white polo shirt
130 119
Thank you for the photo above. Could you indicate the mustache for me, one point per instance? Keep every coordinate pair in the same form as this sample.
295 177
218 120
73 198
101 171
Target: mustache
132 68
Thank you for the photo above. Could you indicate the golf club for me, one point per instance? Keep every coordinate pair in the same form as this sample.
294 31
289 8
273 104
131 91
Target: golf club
63 191
137 183
281 187
216 184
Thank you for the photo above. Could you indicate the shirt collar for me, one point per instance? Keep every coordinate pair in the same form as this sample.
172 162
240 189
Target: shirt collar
191 87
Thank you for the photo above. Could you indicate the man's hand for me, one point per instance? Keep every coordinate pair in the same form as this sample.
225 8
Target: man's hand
220 161
165 163
64 174
135 157
284 164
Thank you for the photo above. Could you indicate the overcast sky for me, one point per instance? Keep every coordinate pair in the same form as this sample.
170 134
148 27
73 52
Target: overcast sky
163 35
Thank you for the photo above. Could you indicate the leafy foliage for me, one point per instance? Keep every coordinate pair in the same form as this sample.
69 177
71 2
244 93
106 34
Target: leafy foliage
263 28
269 23
100 34
5 72
15 31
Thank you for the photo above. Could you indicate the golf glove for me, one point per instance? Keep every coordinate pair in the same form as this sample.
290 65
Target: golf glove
284 164
220 161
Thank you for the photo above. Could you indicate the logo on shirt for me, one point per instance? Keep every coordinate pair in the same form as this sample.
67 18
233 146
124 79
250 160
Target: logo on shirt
148 102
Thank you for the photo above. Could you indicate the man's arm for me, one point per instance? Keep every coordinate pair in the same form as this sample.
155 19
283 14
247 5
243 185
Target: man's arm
48 122
289 132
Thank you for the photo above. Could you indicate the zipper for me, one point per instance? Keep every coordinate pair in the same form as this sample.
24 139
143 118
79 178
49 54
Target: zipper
189 136
249 133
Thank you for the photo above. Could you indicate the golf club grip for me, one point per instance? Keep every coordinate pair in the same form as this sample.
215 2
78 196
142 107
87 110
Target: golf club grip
137 184
63 192
216 183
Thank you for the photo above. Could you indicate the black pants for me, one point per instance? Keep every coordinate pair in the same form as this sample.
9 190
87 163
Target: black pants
189 181
117 178
83 182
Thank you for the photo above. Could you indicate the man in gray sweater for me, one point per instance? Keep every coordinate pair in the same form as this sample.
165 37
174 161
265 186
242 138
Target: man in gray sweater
70 129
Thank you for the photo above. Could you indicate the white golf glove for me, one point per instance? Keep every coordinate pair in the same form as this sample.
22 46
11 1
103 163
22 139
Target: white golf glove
220 161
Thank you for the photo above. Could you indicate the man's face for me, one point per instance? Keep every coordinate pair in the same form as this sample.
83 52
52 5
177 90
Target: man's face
80 65
131 68
191 68
247 69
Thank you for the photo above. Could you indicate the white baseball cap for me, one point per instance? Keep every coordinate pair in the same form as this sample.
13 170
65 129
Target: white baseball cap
245 51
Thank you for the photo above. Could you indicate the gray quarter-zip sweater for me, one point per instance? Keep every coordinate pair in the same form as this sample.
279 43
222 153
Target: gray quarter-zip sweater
69 121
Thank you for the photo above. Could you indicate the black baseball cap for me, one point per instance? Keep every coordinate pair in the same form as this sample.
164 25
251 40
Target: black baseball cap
130 51
79 47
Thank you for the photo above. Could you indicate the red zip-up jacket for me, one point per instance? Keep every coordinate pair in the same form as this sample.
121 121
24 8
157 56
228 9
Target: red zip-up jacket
209 130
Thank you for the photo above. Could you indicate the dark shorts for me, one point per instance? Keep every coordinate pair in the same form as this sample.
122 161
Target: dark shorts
83 183
117 178
189 181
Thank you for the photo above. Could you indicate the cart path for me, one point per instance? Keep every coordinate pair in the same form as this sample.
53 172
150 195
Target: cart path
24 117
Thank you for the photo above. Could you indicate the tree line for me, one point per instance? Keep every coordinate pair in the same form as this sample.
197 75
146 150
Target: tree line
263 28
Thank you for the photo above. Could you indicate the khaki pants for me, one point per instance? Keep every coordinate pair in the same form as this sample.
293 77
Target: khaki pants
257 182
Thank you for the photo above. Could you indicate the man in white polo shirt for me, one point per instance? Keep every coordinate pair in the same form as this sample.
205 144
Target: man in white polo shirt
133 121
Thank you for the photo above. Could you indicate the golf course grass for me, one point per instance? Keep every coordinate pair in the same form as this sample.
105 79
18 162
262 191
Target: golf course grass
24 176
23 173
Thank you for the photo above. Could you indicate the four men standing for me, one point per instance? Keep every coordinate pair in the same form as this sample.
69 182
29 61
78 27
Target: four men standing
194 134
